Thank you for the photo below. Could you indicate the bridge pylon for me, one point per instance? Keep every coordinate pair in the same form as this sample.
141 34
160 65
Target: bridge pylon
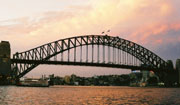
169 76
178 70
5 64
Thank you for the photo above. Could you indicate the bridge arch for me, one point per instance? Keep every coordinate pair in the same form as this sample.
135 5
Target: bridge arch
49 50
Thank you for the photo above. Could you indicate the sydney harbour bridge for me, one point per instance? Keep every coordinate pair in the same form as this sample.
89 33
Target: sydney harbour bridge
93 50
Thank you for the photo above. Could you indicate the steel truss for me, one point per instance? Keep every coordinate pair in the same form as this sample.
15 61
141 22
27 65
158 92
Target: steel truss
123 52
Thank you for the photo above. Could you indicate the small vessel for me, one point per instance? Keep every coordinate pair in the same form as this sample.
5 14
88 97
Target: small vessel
31 82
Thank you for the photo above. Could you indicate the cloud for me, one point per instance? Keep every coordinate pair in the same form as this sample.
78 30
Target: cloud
146 22
157 34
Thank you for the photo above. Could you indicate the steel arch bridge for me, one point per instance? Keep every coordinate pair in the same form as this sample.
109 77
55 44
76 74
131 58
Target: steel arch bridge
88 50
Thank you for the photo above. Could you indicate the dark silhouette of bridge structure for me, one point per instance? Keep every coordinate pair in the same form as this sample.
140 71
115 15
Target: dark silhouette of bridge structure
90 50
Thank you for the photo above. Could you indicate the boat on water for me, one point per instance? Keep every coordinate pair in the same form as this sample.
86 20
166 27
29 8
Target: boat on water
31 82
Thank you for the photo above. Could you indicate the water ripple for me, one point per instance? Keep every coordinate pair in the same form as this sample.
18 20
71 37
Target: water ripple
87 95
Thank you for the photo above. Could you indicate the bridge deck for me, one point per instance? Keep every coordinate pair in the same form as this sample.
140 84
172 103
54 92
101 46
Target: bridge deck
95 64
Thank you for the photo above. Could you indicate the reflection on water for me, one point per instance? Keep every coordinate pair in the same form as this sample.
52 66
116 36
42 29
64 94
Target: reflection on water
58 95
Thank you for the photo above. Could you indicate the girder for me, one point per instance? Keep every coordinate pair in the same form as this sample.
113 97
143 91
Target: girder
96 64
125 49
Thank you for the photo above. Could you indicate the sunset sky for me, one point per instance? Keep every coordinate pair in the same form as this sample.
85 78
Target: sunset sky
154 24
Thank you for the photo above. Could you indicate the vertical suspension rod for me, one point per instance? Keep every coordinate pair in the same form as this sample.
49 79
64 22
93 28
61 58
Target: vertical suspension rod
92 52
124 58
68 50
98 51
113 54
75 50
128 58
87 50
86 53
92 49
103 53
133 56
98 54
136 59
118 55
62 46
81 52
125 55
109 54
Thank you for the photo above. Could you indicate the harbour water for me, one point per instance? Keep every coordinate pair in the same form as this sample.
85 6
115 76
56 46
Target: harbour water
87 95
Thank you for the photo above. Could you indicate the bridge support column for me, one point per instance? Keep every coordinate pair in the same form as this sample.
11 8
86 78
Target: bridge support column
5 64
178 70
170 76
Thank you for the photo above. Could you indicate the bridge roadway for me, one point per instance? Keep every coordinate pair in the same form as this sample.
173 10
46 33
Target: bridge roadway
95 64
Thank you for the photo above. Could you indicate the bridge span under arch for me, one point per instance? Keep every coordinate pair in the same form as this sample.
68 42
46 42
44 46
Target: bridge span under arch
110 52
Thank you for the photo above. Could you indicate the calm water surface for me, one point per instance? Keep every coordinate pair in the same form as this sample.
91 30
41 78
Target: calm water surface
77 95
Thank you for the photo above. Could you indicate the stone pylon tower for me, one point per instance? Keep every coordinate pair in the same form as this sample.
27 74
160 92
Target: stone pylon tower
5 64
178 69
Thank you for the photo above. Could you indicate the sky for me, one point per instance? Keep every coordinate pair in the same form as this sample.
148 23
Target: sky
154 24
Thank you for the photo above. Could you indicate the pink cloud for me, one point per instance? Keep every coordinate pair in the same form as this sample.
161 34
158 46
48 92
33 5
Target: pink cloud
156 34
140 21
